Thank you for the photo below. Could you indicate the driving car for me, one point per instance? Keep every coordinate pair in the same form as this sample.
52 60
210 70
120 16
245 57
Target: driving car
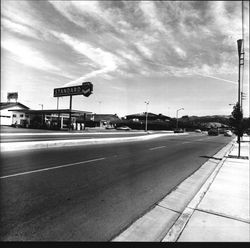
125 128
228 133
197 130
178 130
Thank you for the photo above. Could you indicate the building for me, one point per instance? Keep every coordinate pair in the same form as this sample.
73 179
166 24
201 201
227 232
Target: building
8 114
150 116
104 120
52 118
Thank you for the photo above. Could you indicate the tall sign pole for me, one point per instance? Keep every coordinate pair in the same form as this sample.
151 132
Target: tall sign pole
70 108
85 89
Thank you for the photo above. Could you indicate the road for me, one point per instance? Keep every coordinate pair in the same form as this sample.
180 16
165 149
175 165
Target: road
23 137
91 193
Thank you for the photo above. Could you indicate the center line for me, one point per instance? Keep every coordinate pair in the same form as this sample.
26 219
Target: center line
158 147
51 168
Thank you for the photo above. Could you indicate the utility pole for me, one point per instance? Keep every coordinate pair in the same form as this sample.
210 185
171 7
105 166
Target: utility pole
241 63
177 116
146 124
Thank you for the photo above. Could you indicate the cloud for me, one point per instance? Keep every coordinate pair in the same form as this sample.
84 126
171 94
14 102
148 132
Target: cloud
27 56
17 19
149 11
24 53
180 52
145 51
19 28
107 61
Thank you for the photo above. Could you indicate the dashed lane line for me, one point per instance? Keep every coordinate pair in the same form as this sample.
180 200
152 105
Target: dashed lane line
51 168
158 147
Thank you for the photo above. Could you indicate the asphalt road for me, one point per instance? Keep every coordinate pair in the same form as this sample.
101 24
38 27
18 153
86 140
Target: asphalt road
6 138
91 193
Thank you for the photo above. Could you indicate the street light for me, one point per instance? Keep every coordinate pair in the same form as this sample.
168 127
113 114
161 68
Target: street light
100 102
177 116
41 105
146 126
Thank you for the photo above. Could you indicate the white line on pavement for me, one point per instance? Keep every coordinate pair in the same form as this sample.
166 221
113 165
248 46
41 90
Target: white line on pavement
186 142
51 168
65 134
158 147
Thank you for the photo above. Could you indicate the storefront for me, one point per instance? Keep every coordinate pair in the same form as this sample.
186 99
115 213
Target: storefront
51 119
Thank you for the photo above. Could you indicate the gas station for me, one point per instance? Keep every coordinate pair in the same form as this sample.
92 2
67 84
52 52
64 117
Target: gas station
56 118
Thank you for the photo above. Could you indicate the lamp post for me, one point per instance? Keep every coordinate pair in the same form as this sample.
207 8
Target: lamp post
177 116
100 102
146 124
43 117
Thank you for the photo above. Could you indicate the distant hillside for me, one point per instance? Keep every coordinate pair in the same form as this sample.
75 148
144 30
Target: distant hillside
223 119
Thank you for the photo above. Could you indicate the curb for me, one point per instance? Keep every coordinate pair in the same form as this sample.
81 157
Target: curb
178 227
76 134
166 219
76 142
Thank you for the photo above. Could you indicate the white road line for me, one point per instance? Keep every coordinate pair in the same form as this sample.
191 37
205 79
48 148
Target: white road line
186 142
158 147
51 168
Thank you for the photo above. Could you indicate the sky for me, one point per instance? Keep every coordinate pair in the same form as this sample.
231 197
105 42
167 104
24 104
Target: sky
172 54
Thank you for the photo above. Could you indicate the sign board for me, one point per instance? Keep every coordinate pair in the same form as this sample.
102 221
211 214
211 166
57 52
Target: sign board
12 95
85 89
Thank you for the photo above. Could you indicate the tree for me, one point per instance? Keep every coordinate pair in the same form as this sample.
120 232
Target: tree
236 121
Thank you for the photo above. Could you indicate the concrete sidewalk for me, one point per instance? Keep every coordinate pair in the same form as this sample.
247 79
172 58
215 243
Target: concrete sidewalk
222 214
210 205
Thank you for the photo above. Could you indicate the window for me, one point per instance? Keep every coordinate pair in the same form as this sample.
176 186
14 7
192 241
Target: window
21 115
27 116
14 115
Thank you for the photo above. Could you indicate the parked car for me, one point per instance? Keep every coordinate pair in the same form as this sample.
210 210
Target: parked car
228 133
213 132
178 130
125 128
197 130
109 127
248 131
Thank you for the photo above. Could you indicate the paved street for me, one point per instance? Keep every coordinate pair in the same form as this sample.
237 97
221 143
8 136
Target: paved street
64 136
91 193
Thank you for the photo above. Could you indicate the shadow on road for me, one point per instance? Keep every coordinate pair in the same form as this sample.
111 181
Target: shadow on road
211 157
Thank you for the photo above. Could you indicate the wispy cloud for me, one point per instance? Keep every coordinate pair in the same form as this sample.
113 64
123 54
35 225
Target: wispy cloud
107 62
149 10
18 28
27 56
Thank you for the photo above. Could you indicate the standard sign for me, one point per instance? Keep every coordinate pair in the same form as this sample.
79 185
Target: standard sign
85 89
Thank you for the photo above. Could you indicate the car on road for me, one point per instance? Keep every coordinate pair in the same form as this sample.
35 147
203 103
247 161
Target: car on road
197 130
213 132
179 130
124 128
228 133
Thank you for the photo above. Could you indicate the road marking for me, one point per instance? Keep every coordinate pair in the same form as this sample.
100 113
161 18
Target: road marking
51 168
158 147
186 142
